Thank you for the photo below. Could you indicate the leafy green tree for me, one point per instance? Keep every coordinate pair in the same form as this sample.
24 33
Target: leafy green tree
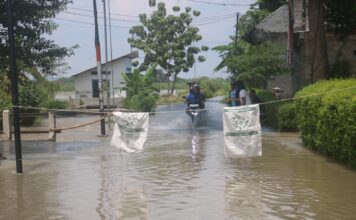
246 23
270 5
250 19
260 64
35 53
227 52
253 64
340 16
167 40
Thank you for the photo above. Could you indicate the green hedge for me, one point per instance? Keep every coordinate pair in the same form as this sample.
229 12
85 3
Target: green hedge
328 122
280 115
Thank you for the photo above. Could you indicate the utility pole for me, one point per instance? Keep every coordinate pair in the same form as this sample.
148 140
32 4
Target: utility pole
106 57
111 58
14 87
236 35
98 62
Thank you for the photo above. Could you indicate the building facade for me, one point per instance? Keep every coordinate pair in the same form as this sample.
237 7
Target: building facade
86 82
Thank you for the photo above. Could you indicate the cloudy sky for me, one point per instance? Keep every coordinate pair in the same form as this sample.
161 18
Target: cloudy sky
216 24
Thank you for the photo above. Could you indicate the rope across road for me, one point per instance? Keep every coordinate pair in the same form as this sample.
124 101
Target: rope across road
108 114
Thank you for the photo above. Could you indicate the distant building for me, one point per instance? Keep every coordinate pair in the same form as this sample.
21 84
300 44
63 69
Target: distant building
275 28
86 82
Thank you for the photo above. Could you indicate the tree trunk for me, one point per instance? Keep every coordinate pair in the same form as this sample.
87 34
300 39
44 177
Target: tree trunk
319 53
174 83
168 84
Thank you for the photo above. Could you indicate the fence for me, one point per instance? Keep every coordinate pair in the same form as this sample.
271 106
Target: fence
8 131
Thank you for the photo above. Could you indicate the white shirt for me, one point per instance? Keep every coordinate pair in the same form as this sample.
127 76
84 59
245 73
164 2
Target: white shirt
243 94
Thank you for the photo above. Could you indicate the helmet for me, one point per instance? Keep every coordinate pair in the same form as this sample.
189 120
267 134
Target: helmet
195 85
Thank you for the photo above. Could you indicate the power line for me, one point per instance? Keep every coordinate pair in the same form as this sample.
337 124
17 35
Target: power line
135 16
88 23
211 22
212 18
221 4
91 11
89 16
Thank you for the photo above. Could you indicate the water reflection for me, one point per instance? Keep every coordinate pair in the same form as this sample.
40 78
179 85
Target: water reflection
244 199
28 195
197 145
181 174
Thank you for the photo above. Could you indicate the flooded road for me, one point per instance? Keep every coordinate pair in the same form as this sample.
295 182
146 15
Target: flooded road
182 174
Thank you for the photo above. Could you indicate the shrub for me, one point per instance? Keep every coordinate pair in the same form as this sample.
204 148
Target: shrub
286 117
327 122
30 95
140 103
55 104
141 94
278 115
214 87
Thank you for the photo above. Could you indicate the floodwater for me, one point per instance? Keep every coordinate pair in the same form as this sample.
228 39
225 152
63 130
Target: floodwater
182 174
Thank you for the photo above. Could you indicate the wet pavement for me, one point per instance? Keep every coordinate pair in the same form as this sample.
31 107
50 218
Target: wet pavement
182 174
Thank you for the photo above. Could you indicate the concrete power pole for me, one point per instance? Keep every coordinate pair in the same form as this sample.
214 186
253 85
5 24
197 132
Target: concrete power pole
236 36
111 56
106 55
98 62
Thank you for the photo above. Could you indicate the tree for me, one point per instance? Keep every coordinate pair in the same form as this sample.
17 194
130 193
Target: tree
270 5
250 19
340 17
228 52
35 54
259 64
167 40
319 54
253 64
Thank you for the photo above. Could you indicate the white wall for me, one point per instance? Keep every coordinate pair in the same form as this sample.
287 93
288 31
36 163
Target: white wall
83 81
83 88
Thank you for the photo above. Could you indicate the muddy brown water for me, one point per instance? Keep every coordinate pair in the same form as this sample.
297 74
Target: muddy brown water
182 174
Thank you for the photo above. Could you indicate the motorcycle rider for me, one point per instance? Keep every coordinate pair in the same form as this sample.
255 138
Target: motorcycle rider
195 97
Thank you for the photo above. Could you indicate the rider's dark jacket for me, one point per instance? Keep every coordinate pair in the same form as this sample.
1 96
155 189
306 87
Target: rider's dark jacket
196 98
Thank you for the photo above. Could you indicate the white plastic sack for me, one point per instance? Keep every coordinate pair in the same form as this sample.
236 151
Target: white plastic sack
130 132
242 131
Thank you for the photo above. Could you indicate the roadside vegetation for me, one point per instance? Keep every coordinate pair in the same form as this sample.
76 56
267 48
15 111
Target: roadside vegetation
277 115
65 84
327 122
141 95
37 56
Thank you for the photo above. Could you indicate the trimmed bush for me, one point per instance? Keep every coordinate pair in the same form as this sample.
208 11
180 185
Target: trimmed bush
328 122
286 117
280 115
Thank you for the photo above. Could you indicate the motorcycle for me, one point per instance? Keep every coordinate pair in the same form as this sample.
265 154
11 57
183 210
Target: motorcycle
196 112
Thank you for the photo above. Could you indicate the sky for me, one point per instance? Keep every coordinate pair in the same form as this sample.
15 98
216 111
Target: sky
216 24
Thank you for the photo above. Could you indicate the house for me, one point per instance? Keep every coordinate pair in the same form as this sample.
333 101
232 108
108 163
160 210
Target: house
86 82
300 44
